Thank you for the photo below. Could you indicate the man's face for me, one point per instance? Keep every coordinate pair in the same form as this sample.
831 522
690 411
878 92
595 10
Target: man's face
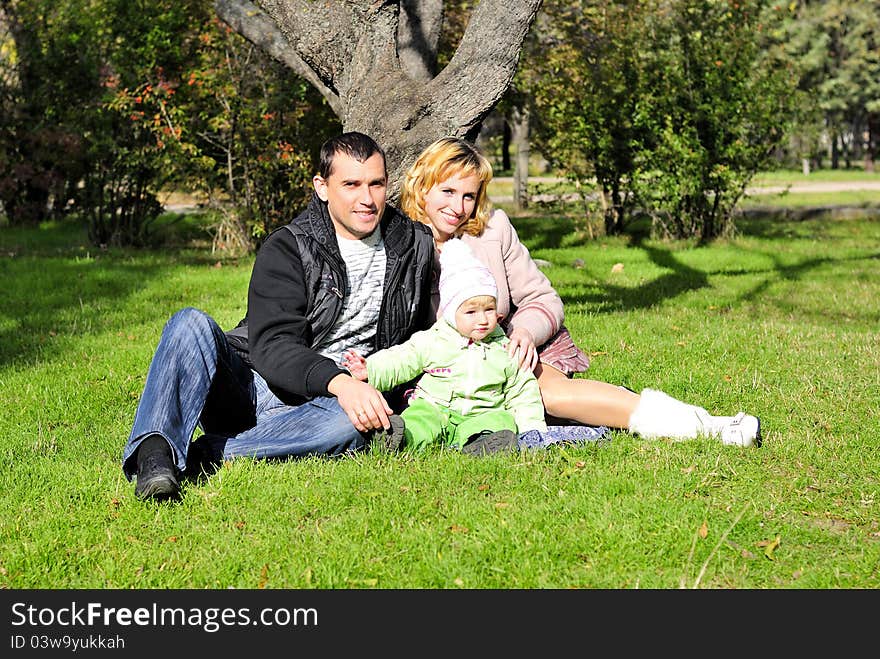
355 194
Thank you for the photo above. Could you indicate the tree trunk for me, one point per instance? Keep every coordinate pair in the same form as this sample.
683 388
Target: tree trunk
506 137
873 141
373 63
418 35
835 151
520 137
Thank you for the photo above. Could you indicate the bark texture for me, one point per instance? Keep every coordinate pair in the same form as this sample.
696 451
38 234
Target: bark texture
373 61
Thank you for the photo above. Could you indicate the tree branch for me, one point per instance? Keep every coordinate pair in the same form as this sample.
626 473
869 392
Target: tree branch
489 50
257 27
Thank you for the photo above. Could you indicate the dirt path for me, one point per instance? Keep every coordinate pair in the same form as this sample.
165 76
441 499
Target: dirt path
819 186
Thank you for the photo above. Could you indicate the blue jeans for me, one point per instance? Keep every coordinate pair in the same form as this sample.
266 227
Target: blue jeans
196 378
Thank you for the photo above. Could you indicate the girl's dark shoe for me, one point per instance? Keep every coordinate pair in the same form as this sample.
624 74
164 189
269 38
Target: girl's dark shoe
490 442
391 439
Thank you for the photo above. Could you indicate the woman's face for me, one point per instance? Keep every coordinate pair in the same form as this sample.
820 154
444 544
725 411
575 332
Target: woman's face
450 203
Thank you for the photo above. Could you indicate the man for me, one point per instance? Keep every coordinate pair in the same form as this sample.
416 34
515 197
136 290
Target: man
349 271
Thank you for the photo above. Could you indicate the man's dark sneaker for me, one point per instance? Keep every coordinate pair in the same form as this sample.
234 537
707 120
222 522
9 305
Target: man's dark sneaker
204 456
156 473
490 442
391 439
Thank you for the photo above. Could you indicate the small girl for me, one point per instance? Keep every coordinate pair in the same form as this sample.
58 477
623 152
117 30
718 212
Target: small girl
471 394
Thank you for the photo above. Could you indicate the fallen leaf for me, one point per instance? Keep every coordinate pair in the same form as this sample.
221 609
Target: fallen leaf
617 267
688 470
483 487
727 378
704 530
458 528
369 583
459 582
239 525
171 538
502 504
264 576
769 546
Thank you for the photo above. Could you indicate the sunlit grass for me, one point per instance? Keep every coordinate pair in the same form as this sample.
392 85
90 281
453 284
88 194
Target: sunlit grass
782 322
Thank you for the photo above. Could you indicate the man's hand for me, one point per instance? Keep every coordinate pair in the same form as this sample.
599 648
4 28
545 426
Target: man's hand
522 349
356 365
366 407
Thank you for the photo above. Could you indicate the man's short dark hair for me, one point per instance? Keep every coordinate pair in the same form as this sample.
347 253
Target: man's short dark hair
354 144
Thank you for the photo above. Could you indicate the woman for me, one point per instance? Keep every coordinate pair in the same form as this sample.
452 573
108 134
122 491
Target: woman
446 189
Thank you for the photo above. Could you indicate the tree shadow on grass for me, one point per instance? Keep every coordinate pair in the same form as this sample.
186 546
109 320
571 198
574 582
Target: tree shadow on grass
56 286
679 278
543 232
773 223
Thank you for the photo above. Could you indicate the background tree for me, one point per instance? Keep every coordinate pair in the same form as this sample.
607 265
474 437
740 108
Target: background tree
588 85
351 52
238 129
516 110
64 148
48 78
836 46
106 104
721 104
144 45
672 105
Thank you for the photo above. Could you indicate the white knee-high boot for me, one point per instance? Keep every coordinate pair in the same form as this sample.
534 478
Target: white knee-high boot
660 415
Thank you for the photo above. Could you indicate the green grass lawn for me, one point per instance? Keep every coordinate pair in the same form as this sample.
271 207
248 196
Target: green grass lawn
783 322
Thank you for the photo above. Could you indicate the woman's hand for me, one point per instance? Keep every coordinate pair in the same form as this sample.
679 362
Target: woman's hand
522 349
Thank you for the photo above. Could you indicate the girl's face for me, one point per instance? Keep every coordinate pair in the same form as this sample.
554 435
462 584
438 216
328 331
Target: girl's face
450 203
476 317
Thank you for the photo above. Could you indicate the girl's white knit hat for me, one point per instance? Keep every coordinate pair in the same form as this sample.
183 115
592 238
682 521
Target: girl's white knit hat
462 276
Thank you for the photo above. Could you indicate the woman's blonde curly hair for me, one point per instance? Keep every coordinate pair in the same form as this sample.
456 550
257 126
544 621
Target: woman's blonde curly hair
440 161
